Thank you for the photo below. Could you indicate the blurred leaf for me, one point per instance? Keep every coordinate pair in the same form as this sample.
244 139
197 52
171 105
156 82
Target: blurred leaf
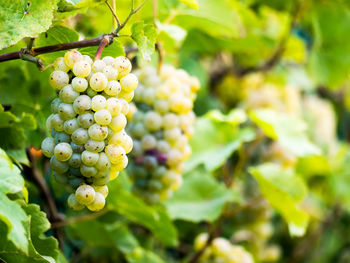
71 5
200 198
19 19
145 38
114 50
140 255
191 3
288 130
283 189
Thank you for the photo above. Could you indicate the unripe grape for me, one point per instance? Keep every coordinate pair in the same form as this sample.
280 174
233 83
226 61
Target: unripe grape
98 102
88 171
86 120
115 153
100 181
58 79
161 106
71 57
48 146
148 142
149 96
77 148
55 104
90 92
60 178
79 84
66 112
172 134
113 88
63 151
59 64
108 60
94 146
89 158
163 146
128 96
98 132
123 65
129 82
150 162
153 121
71 125
174 157
58 166
82 69
113 173
110 72
73 203
98 82
103 117
75 160
200 241
88 59
114 106
62 137
139 130
125 106
82 104
170 121
80 136
121 164
101 189
118 122
85 194
103 163
57 123
122 139
98 66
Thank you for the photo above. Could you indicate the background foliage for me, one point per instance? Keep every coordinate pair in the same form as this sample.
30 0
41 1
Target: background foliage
270 165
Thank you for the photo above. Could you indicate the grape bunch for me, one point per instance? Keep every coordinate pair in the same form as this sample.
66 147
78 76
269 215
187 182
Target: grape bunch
88 144
161 128
220 250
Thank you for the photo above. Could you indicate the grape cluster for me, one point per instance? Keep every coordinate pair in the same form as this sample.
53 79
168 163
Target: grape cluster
88 143
160 128
221 250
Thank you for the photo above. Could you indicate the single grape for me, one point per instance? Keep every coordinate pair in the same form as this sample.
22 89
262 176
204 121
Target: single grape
110 72
62 137
108 60
103 117
115 153
114 106
100 181
88 59
71 125
125 106
150 162
58 166
98 66
88 171
98 82
59 64
101 189
76 182
85 194
103 162
57 123
129 83
48 146
66 112
137 149
123 65
98 203
82 104
122 139
90 92
82 69
54 105
139 130
73 203
174 157
149 96
71 57
86 120
75 160
153 121
128 96
159 172
89 158
77 148
172 134
94 146
68 94
58 79
79 84
98 102
80 136
170 121
163 146
148 142
118 122
60 178
113 88
98 132
63 151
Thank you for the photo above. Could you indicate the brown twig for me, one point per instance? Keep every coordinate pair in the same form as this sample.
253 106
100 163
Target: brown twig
160 51
113 8
74 220
104 42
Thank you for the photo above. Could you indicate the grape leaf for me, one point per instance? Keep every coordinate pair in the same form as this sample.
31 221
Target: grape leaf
283 189
115 49
145 38
191 3
140 255
71 5
19 19
200 198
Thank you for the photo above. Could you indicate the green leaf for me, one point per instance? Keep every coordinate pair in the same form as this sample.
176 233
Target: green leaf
140 255
55 35
71 5
154 218
115 49
191 3
218 146
145 38
19 19
288 130
11 180
283 189
200 198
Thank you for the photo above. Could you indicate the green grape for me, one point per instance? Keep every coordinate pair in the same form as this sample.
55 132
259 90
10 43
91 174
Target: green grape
103 162
98 102
110 72
86 120
128 96
148 142
48 146
102 173
114 106
68 94
169 178
163 146
66 112
79 84
108 60
170 121
152 198
98 132
98 66
139 130
115 153
155 185
172 134
60 178
101 189
58 79
85 194
161 106
159 172
73 203
149 96
125 106
137 117
181 143
174 157
137 149
98 82
80 136
122 139
58 166
98 204
62 137
82 104
129 83
90 92
150 162
88 171
75 160
82 69
102 117
63 151
59 64
100 181
71 57
75 182
153 121
113 88
71 125
94 146
118 122
88 59
123 65
57 123
89 158
55 104
77 148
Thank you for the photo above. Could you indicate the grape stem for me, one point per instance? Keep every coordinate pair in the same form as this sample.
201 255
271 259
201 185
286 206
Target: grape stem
104 42
83 218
